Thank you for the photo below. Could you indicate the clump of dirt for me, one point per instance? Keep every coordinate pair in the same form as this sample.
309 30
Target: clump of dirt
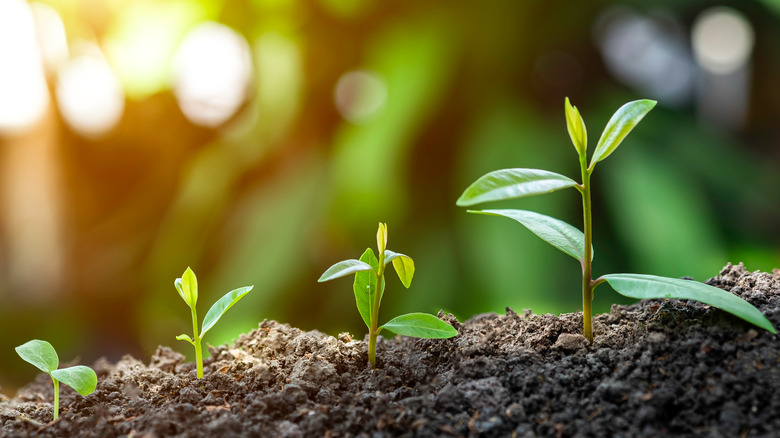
657 368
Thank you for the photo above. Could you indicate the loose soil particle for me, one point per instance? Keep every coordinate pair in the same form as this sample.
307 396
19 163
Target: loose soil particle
657 368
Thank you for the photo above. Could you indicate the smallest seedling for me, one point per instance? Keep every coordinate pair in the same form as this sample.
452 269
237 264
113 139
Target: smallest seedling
44 357
187 286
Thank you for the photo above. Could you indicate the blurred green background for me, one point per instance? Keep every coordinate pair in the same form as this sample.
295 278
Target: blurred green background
261 141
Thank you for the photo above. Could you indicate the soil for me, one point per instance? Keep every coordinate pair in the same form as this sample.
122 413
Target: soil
656 368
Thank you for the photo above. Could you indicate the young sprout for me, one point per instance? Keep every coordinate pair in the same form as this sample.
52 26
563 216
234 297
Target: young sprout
517 183
187 286
44 357
369 287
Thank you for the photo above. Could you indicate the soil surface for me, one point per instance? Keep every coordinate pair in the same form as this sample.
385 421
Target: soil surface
656 368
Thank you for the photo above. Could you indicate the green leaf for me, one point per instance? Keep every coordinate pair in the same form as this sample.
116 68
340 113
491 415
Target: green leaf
576 128
187 286
505 184
618 127
185 338
39 353
553 231
403 264
221 306
343 268
82 379
650 286
420 325
365 285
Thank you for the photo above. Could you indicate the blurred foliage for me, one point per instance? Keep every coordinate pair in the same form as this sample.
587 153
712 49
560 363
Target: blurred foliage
288 186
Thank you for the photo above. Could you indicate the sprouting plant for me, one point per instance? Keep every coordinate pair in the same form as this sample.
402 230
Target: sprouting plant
187 286
369 286
44 357
516 183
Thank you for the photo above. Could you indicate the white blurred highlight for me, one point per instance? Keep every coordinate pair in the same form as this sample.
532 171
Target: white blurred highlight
24 95
90 96
722 40
212 74
360 95
52 39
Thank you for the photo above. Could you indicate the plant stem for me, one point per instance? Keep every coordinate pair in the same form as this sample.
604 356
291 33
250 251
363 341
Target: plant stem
587 268
196 343
373 330
56 397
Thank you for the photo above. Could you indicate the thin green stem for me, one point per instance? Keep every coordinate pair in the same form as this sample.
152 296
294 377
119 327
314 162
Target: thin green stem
56 397
373 331
196 343
587 268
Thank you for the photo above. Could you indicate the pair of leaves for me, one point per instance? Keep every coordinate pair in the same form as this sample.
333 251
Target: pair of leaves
517 183
187 286
365 286
42 355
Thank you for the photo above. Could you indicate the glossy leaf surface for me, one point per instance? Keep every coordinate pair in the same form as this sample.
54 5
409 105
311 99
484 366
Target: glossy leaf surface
553 231
221 306
82 379
420 325
505 184
651 286
343 268
39 353
618 127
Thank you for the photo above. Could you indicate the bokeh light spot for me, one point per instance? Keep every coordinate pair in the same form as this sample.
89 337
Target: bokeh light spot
89 93
52 39
360 95
722 40
212 74
24 96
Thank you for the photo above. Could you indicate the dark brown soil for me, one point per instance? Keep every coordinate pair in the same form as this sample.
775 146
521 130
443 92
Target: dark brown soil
657 368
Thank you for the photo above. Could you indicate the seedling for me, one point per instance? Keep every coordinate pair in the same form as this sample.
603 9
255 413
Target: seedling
44 357
517 183
187 286
369 287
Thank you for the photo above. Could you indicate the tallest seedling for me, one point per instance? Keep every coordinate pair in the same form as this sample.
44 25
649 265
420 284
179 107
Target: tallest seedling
517 183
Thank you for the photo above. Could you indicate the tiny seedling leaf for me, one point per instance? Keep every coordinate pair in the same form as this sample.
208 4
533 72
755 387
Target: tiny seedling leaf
82 379
650 286
618 127
420 325
187 286
365 285
343 268
221 306
505 184
381 237
185 338
576 128
403 264
553 231
39 353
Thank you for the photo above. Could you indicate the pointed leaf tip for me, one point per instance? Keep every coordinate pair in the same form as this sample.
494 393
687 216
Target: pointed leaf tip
576 127
221 306
403 264
619 126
